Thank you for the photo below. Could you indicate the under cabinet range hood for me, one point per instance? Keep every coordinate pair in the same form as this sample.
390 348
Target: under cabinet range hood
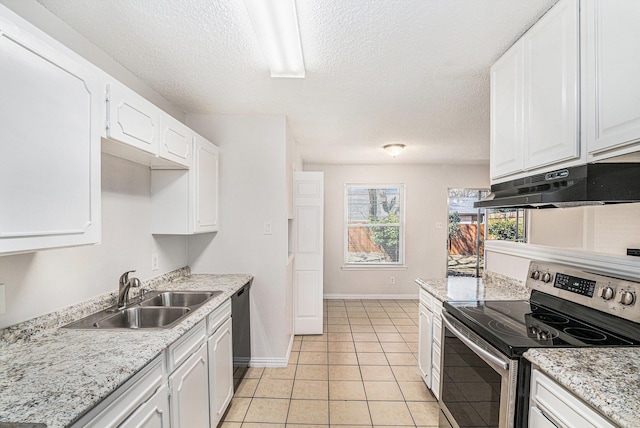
590 184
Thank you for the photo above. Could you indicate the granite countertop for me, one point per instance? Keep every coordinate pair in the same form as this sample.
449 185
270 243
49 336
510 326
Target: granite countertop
607 379
53 376
491 287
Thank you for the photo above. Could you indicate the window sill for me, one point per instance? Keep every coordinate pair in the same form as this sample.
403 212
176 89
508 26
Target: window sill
374 267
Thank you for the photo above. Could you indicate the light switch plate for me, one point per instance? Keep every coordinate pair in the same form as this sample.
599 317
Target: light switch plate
3 309
267 228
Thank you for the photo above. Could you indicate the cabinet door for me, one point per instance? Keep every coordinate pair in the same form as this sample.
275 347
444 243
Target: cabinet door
205 190
551 93
131 119
612 70
175 140
220 346
507 136
425 343
190 392
152 414
50 112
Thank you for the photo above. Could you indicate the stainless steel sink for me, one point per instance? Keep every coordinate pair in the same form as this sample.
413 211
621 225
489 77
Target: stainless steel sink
144 317
179 298
158 309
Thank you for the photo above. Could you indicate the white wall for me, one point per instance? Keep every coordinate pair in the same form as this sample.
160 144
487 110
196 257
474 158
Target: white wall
253 189
607 230
38 283
42 282
426 204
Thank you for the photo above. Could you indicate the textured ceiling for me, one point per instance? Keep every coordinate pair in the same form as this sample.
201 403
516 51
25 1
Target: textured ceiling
377 71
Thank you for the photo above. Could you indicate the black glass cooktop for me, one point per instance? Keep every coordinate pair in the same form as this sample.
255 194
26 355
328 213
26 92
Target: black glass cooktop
515 326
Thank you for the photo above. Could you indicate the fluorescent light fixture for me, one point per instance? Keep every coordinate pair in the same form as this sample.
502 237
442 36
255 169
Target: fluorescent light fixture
393 149
276 25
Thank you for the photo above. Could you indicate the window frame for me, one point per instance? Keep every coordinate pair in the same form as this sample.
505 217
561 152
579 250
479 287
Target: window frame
400 264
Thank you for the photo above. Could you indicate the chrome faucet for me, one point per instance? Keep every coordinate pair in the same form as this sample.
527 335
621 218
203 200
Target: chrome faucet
124 284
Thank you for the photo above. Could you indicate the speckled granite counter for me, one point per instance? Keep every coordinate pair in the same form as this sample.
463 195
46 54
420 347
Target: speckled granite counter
53 376
608 379
491 287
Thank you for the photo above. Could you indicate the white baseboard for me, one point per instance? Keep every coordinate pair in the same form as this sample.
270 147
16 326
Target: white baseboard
371 296
269 362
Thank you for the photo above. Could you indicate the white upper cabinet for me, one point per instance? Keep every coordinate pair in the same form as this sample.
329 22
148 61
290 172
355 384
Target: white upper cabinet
50 119
186 202
507 137
535 96
205 185
132 119
552 67
139 131
175 140
612 76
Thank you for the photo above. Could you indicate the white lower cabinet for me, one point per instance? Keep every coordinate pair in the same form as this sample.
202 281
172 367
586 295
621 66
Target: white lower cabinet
425 341
154 413
553 406
220 346
429 341
189 389
189 385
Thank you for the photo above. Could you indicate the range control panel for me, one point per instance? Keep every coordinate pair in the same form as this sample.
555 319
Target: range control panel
616 296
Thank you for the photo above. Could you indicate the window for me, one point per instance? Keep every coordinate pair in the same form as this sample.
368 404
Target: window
507 224
374 224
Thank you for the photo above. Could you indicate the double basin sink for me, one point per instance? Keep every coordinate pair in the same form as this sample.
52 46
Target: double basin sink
157 309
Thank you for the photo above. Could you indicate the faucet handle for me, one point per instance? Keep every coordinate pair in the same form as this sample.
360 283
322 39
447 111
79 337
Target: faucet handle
135 282
124 278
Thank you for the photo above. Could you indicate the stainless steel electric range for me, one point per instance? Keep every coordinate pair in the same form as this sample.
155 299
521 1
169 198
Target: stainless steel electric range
485 379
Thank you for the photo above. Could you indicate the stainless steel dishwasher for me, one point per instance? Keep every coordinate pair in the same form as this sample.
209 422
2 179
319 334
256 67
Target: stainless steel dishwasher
241 316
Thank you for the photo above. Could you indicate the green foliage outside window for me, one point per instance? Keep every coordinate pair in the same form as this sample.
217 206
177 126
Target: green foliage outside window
505 229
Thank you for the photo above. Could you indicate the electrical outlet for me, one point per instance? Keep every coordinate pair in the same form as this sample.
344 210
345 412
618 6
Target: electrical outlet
267 228
438 225
392 280
154 261
3 308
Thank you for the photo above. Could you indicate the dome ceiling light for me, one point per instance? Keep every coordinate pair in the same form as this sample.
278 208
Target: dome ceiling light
394 149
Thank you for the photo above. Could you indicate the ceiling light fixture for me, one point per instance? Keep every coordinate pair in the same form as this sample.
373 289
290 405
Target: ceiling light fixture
393 149
276 25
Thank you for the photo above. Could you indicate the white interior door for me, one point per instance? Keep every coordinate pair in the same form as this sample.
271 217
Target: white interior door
308 281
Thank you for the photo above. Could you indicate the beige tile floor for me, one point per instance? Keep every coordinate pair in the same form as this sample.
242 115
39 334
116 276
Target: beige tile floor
362 372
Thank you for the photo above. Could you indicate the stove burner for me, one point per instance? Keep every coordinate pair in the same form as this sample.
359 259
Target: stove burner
503 328
551 318
585 334
470 308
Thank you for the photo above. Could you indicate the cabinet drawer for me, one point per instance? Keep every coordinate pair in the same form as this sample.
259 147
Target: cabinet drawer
218 316
437 307
436 359
437 330
179 351
426 299
561 406
124 400
435 384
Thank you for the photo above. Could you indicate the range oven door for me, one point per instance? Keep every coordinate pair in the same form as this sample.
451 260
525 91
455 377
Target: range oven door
478 382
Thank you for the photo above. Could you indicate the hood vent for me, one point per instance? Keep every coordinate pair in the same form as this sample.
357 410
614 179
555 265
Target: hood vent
591 184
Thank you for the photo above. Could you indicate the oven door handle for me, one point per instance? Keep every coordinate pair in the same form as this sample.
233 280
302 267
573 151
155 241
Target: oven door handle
474 347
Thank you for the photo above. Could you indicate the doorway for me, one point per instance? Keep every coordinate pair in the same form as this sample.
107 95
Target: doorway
469 227
466 227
